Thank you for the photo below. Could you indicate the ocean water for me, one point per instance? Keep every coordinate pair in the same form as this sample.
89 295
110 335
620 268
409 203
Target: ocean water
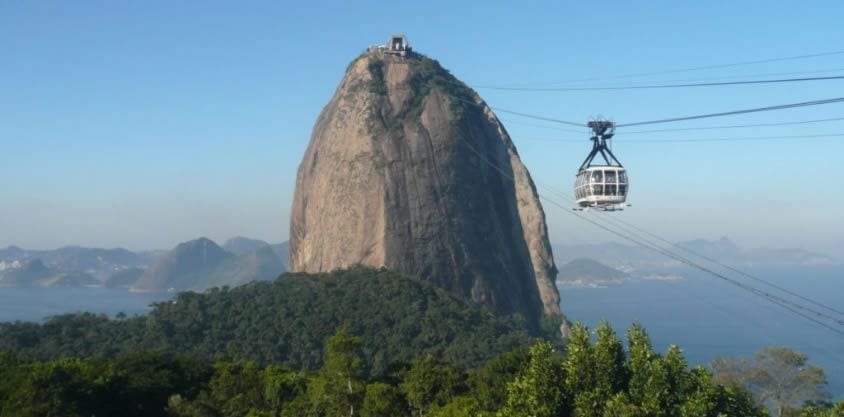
710 318
37 304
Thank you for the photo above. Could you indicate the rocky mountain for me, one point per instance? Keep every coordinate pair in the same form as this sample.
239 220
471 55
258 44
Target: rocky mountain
586 272
242 245
409 169
184 267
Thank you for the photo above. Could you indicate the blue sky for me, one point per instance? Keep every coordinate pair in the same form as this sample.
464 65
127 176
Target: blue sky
143 124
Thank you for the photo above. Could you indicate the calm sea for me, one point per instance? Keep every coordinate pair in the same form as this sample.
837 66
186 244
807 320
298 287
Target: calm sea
36 304
708 317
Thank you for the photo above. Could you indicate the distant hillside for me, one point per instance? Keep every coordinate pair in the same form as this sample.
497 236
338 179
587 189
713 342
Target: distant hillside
26 274
194 265
187 266
287 321
71 280
123 278
590 273
12 253
98 263
259 265
282 251
34 273
629 257
201 264
242 245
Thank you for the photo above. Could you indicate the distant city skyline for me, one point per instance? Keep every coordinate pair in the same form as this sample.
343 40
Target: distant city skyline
145 125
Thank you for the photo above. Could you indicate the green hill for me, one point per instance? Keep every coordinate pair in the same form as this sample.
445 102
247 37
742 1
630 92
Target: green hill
287 321
589 272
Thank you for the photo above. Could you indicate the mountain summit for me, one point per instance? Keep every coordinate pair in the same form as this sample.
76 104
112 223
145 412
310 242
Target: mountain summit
408 169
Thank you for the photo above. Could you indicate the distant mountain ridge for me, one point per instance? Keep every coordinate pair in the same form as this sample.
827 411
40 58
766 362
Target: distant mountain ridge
628 257
193 265
34 273
241 245
183 266
97 262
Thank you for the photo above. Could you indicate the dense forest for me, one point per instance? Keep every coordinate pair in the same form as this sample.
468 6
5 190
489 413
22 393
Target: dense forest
591 377
599 378
286 322
372 343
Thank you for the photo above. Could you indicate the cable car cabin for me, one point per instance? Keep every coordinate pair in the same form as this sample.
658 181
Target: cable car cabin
605 186
601 186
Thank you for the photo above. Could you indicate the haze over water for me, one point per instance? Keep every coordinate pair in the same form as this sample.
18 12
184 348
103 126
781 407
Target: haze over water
709 318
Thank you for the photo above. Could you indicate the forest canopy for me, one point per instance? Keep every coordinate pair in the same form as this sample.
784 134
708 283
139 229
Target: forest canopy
286 322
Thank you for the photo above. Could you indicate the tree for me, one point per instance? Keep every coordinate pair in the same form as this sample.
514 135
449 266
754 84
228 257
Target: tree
338 387
610 373
580 362
462 406
620 406
538 390
236 388
645 369
281 386
782 378
830 410
429 383
489 383
779 378
383 400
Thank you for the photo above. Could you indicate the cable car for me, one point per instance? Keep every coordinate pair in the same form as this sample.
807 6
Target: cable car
602 187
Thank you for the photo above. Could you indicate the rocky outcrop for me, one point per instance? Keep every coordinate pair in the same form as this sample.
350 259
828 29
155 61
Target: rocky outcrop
409 169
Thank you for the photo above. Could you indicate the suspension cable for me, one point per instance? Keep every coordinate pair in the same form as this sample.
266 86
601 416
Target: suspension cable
800 122
660 86
734 112
708 67
790 306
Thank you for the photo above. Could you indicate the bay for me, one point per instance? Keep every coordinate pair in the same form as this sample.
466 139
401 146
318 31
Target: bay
37 304
709 318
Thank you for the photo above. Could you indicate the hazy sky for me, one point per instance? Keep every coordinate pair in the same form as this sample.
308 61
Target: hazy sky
143 124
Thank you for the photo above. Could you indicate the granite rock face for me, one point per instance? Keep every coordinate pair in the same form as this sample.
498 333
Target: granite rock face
408 169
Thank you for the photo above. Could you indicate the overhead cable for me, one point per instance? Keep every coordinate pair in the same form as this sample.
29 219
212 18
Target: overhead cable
790 306
716 66
734 112
661 86
725 139
716 262
547 119
801 122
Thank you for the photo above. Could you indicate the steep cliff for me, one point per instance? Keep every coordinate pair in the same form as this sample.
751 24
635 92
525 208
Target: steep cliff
409 169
